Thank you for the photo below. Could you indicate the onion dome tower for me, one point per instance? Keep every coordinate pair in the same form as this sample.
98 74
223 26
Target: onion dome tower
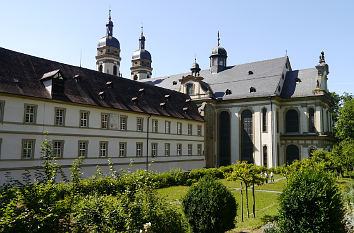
108 51
218 58
195 68
141 61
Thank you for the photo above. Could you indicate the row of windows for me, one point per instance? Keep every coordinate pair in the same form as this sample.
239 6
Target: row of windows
30 114
58 149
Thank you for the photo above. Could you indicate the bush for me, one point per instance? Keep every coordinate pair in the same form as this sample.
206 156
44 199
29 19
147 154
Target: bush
197 174
311 203
209 206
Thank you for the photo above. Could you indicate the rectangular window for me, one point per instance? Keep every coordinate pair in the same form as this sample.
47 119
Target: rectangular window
167 149
84 118
277 120
190 129
179 149
153 149
2 105
104 121
83 148
179 128
59 116
168 127
30 114
122 149
139 149
28 148
155 126
190 149
199 149
103 149
199 130
139 124
58 149
264 120
123 123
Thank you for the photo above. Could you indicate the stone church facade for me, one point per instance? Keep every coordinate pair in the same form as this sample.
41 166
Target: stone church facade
262 112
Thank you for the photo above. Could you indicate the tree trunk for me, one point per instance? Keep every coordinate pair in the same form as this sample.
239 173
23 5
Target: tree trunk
248 211
241 203
254 202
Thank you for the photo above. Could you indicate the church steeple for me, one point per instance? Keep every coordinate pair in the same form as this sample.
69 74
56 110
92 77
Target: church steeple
108 51
218 58
109 25
141 61
142 39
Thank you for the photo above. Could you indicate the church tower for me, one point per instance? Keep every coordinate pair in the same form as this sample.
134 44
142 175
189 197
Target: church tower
108 51
141 61
218 58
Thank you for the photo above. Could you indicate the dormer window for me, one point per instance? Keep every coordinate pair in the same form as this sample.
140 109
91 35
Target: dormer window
297 80
185 109
109 84
190 89
54 83
250 72
101 94
174 82
228 92
77 78
141 91
188 100
163 105
252 89
167 96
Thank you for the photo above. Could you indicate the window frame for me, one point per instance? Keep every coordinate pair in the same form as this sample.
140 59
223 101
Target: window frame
105 121
35 108
167 149
190 129
289 127
137 149
190 149
2 109
33 143
155 125
79 149
264 120
179 128
56 116
179 149
123 121
100 149
61 148
199 130
199 149
167 127
154 149
265 155
141 124
312 123
122 151
85 120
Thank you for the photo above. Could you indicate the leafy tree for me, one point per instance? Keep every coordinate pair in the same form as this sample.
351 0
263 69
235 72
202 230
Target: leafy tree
345 125
209 207
311 202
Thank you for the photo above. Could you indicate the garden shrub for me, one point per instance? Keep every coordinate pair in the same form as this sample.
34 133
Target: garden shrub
209 206
197 174
311 203
226 169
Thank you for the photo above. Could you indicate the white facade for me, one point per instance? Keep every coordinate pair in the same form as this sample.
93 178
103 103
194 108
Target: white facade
14 132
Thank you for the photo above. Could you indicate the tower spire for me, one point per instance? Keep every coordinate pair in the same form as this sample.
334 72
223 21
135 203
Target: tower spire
218 38
142 39
109 25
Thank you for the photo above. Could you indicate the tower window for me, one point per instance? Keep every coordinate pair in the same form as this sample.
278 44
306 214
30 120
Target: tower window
114 70
252 89
190 89
100 68
135 77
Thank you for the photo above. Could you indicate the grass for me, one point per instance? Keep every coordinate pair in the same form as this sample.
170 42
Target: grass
266 202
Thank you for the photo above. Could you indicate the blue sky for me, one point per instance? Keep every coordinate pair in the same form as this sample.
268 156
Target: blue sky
176 31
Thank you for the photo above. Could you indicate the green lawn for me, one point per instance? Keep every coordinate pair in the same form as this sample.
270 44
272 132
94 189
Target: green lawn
266 202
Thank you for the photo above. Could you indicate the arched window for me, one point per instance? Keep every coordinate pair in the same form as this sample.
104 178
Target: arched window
311 120
246 136
265 156
292 154
190 89
224 139
264 119
100 68
114 70
292 121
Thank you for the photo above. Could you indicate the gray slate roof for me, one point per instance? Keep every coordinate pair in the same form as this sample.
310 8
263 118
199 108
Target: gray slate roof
265 79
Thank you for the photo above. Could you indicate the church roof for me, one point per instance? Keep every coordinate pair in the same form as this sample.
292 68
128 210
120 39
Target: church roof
21 74
264 76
